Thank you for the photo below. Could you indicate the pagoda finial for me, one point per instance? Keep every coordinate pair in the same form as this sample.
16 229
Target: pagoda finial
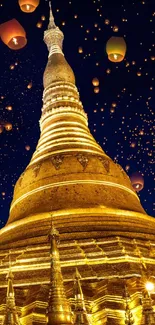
11 316
59 311
51 18
53 36
81 317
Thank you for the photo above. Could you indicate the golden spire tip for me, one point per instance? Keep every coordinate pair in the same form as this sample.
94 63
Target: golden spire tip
51 18
77 274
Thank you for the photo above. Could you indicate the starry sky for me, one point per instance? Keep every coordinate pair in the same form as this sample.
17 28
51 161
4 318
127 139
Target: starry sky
121 114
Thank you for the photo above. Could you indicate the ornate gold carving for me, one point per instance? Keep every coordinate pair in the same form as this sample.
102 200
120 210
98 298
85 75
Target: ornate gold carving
148 315
122 170
129 320
36 169
106 163
57 161
83 160
20 179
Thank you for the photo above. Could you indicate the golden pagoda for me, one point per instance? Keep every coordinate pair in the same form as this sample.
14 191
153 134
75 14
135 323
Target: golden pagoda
104 231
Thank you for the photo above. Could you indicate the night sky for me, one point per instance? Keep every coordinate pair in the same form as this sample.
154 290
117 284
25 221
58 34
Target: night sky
121 115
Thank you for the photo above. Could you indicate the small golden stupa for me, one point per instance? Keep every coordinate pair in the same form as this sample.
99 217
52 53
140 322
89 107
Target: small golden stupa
104 232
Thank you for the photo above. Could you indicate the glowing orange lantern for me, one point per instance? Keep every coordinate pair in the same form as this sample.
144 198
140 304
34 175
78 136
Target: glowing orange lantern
13 34
107 21
96 90
28 5
29 86
39 24
1 128
43 18
9 108
8 126
115 29
27 147
95 82
137 181
12 67
116 49
80 50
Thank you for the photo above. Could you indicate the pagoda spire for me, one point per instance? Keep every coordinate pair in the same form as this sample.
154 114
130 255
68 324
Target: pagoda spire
11 316
53 36
129 320
51 18
148 315
62 109
59 311
81 316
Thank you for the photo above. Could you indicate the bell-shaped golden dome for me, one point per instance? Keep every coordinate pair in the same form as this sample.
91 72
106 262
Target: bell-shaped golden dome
58 69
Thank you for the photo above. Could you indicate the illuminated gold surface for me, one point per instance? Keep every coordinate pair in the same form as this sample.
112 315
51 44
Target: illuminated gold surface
10 316
68 163
59 311
80 313
103 228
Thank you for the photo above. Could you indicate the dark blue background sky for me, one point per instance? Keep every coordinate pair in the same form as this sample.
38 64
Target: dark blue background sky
133 118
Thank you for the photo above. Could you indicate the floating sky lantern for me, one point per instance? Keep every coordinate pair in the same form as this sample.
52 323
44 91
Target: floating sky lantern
115 29
139 74
96 90
1 128
95 82
29 86
108 71
127 167
43 18
9 107
28 6
133 144
13 34
107 21
27 147
116 49
39 24
8 126
80 49
12 67
137 181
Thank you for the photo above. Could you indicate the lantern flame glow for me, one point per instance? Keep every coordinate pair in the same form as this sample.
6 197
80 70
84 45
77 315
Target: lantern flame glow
27 7
14 40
